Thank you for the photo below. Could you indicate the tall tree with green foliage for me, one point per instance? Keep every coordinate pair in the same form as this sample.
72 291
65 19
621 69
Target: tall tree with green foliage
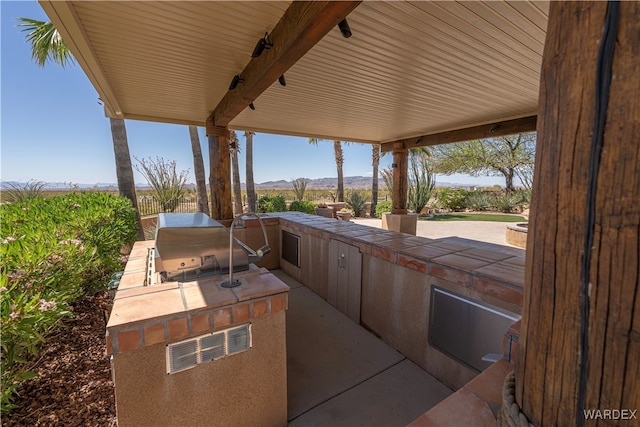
47 45
339 156
509 156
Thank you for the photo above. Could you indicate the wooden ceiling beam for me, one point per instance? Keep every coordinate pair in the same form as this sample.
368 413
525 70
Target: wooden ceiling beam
302 26
491 130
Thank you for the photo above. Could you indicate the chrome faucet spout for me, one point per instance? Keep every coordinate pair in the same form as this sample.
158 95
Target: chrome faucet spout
264 250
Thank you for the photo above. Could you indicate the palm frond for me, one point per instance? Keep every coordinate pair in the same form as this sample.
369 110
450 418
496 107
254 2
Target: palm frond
46 42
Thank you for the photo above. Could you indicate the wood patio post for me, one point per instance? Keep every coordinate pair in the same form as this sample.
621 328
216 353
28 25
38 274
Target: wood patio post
548 370
219 172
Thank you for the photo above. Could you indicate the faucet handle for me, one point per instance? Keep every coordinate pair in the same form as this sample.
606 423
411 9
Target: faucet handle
263 251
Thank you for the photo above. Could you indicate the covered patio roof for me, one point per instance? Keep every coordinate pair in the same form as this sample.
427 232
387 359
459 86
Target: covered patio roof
410 69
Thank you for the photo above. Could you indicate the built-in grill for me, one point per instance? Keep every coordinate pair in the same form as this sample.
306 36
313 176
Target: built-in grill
192 245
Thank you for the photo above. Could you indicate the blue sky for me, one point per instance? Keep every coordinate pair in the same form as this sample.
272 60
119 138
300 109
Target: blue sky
53 129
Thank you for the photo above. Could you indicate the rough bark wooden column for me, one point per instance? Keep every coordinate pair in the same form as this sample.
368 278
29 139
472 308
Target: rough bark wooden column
548 368
400 178
219 172
399 219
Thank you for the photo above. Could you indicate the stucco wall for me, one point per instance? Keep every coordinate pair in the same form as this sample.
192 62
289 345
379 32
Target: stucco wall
397 280
245 389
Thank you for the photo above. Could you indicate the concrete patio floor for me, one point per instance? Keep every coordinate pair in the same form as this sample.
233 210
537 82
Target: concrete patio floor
481 231
339 374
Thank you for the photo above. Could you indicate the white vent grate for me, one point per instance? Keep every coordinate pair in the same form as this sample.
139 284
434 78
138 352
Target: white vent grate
183 355
188 354
212 347
238 339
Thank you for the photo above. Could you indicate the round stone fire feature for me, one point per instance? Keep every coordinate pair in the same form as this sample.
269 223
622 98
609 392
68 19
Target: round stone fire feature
517 234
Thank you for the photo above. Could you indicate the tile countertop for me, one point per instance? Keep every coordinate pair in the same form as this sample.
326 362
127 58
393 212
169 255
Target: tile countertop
135 302
485 267
146 315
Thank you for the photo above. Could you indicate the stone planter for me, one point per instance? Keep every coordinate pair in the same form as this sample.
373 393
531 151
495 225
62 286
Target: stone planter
343 216
403 223
326 212
336 207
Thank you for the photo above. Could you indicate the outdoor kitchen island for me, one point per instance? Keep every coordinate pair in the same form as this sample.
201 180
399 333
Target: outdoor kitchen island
197 353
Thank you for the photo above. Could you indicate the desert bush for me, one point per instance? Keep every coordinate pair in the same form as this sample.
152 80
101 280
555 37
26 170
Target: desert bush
272 204
299 187
479 201
53 250
356 201
168 185
383 207
31 190
422 182
525 195
454 199
303 206
508 202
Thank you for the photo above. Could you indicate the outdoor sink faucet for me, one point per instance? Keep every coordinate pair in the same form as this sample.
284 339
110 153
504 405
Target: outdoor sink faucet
264 250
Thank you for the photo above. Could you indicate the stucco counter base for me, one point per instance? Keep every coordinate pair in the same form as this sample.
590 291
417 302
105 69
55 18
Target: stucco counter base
244 388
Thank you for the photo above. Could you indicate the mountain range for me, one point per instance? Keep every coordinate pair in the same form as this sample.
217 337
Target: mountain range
354 182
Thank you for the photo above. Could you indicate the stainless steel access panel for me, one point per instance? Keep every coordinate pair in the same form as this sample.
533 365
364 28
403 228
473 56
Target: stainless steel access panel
466 329
345 278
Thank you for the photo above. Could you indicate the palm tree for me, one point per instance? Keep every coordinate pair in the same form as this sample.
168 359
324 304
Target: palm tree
375 161
234 145
47 45
124 171
339 155
251 187
198 170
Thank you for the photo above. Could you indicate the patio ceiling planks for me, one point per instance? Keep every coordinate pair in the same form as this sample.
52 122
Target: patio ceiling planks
410 69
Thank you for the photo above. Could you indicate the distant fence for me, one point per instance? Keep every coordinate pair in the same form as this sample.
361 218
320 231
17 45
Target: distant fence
149 205
314 195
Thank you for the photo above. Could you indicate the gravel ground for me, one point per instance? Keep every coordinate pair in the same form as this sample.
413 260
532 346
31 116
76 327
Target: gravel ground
73 386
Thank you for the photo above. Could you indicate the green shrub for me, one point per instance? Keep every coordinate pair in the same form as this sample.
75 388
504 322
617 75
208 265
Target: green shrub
508 202
272 204
168 185
422 182
53 250
299 187
525 195
356 201
453 199
479 201
303 206
31 190
383 207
